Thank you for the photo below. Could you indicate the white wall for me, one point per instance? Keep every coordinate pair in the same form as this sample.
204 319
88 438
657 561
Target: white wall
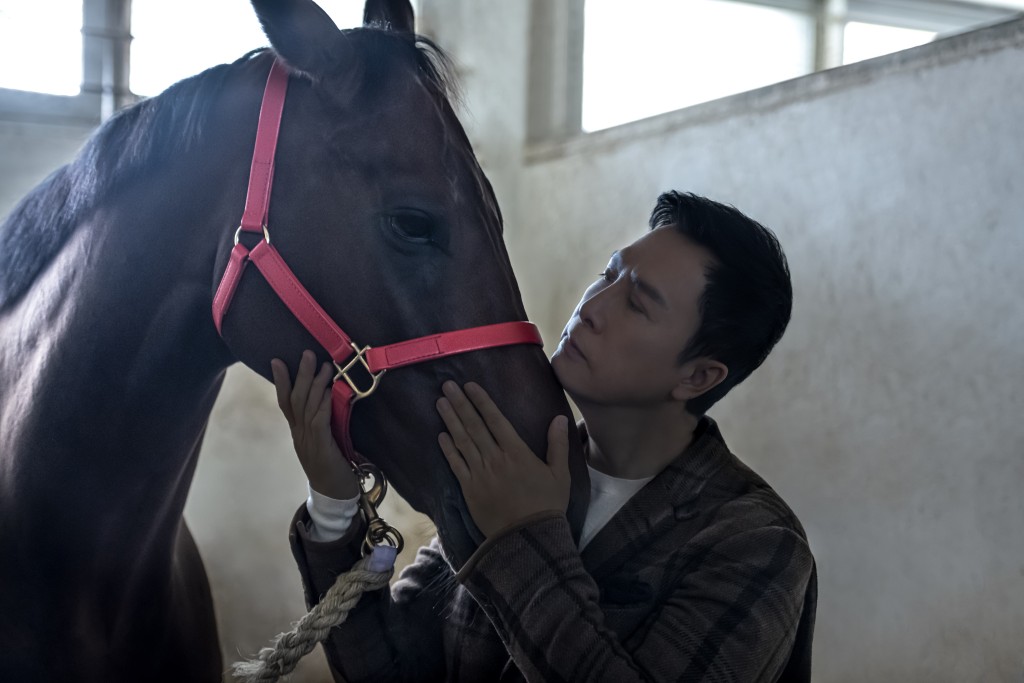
31 151
890 414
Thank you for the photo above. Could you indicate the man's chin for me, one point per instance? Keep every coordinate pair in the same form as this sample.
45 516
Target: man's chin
558 363
566 380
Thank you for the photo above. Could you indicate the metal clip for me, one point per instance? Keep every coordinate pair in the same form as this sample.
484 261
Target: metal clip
360 358
378 531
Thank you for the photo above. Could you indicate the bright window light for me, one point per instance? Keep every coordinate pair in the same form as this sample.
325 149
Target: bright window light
865 41
41 46
174 40
646 57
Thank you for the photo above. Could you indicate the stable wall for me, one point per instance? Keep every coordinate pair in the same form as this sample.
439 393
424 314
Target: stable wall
889 416
30 151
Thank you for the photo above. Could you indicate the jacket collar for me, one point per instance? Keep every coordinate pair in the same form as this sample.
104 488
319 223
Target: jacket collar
665 501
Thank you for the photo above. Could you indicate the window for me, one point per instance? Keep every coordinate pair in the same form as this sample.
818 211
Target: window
646 57
77 61
174 40
864 41
41 46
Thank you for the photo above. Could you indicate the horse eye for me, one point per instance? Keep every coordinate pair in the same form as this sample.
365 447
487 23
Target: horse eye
412 226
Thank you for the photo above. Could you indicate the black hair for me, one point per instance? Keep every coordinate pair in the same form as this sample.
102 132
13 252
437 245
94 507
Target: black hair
748 298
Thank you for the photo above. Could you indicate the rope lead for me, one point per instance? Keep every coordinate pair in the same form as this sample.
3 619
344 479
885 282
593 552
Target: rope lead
371 573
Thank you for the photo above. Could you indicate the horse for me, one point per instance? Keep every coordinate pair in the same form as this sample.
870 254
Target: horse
110 362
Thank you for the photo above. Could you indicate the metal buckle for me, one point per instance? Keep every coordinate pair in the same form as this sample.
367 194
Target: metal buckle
266 234
378 532
360 357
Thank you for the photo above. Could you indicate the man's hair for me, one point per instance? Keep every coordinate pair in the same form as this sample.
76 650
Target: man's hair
748 298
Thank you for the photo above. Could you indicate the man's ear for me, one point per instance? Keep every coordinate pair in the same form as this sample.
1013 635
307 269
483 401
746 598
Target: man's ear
698 376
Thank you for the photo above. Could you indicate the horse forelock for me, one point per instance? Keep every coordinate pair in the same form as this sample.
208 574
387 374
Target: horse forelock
381 48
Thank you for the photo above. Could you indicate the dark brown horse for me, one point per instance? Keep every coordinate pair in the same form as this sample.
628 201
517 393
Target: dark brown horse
110 362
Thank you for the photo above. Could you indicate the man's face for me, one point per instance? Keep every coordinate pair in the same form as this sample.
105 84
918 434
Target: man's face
622 344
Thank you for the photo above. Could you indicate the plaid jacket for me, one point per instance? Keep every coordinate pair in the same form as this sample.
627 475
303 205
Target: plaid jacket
704 575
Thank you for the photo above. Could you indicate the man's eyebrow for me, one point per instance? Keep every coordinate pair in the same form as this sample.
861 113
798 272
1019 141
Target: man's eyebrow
645 287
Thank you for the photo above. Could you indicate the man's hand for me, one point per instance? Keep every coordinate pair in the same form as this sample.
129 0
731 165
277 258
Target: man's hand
502 480
307 407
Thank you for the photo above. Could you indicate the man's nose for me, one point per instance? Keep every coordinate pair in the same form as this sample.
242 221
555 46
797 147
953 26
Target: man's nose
592 310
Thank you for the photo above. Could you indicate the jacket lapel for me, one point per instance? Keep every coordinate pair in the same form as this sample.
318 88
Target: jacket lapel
666 501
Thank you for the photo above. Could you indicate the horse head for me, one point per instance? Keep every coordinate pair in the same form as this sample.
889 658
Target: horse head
110 362
381 210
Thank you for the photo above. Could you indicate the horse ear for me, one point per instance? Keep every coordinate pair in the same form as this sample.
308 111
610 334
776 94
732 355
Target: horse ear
396 15
300 32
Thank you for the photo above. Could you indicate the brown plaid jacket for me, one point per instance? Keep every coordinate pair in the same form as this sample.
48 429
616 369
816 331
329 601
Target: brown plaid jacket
704 575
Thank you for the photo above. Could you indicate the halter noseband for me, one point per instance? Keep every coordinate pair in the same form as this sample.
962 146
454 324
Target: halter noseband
343 351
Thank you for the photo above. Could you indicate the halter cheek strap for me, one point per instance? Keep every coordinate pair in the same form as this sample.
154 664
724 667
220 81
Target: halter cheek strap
343 351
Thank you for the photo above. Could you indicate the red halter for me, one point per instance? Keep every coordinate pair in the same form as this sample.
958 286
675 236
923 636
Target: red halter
343 351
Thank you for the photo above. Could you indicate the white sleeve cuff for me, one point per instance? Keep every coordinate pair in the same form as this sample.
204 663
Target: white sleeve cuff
329 518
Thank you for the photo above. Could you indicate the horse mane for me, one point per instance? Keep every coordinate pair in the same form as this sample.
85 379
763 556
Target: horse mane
149 132
145 133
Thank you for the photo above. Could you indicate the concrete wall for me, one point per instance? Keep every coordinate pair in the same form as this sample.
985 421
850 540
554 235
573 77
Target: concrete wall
889 416
31 151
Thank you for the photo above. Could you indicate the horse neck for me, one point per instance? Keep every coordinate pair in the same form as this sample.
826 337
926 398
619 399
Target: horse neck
114 364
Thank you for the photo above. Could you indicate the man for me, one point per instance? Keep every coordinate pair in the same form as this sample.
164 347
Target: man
689 568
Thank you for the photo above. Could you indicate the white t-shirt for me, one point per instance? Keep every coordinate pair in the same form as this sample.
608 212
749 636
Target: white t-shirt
607 496
330 518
